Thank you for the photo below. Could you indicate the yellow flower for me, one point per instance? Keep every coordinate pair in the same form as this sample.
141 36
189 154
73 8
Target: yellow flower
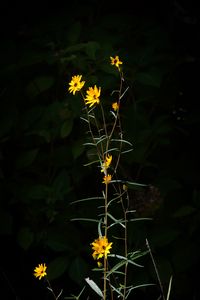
107 179
92 96
115 61
106 163
76 84
40 271
101 248
115 106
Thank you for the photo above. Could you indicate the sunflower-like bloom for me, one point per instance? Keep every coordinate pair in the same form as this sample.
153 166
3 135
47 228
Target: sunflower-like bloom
40 271
106 163
76 84
92 96
115 61
115 106
101 247
107 179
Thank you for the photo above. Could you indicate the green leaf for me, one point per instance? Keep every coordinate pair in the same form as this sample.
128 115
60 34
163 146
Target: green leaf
152 77
91 49
184 211
116 267
46 134
57 241
61 184
57 267
133 185
39 85
62 156
77 148
25 237
85 219
75 48
77 269
94 286
39 191
26 158
66 128
105 67
87 199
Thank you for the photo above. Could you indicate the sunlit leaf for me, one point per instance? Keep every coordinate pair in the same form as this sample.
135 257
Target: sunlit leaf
94 286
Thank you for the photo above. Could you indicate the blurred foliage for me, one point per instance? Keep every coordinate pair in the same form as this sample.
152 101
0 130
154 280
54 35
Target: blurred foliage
42 153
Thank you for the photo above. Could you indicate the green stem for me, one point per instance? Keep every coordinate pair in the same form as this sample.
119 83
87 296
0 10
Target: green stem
106 230
50 288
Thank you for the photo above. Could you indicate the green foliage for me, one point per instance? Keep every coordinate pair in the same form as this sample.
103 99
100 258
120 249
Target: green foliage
78 269
25 237
57 267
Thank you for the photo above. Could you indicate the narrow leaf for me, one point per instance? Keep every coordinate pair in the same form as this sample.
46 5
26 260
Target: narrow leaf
121 141
94 286
85 219
87 199
169 288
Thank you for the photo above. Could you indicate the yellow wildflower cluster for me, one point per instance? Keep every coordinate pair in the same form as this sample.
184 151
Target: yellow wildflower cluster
101 246
92 93
106 164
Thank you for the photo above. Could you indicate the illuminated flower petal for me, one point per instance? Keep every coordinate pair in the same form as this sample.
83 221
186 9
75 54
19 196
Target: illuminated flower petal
92 97
107 179
106 163
76 84
115 61
101 247
115 106
40 271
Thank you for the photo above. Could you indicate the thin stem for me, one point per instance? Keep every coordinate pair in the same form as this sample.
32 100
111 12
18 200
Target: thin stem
104 121
156 270
50 288
117 115
104 279
125 244
106 230
90 128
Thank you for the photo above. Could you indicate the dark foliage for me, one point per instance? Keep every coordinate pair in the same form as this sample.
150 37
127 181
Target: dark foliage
41 139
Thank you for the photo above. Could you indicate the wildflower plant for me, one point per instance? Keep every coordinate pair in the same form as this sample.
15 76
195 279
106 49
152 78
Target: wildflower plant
41 272
106 139
110 249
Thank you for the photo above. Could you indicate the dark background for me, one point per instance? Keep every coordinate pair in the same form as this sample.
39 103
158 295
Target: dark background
41 139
